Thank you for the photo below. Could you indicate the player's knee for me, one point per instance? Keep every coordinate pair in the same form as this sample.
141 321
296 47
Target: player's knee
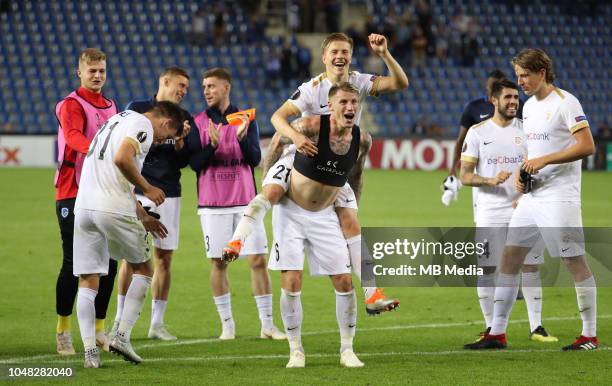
258 262
530 268
291 281
343 283
273 193
163 259
349 221
218 264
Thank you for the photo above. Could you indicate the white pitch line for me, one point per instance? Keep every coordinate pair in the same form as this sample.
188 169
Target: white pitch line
308 333
320 355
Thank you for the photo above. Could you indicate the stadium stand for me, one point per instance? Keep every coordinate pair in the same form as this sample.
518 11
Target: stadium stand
40 39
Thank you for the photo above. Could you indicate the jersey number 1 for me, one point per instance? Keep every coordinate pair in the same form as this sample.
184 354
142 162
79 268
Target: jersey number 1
96 138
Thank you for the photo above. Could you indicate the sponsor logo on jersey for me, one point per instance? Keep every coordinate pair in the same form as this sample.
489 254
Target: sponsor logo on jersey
141 136
330 167
483 116
538 137
502 159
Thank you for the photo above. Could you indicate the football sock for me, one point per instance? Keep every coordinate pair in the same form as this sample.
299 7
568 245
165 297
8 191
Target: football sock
224 308
346 314
253 215
486 291
264 306
158 310
532 292
505 296
99 325
120 303
86 313
134 300
64 323
354 247
586 293
291 312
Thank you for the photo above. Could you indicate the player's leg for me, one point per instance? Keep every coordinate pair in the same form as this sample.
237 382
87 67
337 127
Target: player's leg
346 315
216 229
67 284
292 315
346 209
275 185
169 213
105 292
123 283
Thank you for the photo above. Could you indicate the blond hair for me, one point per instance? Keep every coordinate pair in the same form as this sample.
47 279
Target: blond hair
344 86
535 60
336 37
91 55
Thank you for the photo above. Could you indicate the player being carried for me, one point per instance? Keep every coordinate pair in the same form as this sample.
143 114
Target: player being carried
311 98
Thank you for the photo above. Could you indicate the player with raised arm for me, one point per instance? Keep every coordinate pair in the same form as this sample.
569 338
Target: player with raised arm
305 221
107 217
311 98
558 137
492 151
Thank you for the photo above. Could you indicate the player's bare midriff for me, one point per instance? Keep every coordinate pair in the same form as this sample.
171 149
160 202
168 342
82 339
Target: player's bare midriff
310 194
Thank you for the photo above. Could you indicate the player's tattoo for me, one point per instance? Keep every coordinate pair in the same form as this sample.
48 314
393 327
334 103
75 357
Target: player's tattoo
274 151
355 178
309 126
339 146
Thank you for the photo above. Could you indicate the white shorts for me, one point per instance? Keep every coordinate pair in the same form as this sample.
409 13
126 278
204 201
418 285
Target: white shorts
218 230
494 236
170 215
280 174
100 235
318 234
558 223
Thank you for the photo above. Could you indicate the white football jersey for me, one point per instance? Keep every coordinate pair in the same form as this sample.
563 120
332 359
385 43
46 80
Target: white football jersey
549 124
103 187
311 97
494 149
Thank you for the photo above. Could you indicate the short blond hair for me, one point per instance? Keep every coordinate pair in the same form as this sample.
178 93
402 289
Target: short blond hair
336 37
534 60
344 86
91 55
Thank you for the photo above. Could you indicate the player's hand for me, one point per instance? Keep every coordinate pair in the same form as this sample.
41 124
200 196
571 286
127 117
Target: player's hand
518 185
500 178
244 126
214 132
179 141
378 43
305 145
514 204
155 194
532 166
154 226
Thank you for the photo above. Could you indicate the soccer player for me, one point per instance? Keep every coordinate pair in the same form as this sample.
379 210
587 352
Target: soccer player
162 169
226 184
311 98
80 115
558 137
305 221
492 151
107 217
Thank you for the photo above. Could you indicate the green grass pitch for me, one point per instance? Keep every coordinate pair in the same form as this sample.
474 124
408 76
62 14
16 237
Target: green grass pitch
421 343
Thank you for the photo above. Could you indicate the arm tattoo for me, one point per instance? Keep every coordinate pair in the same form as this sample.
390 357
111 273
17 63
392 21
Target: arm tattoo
355 178
274 151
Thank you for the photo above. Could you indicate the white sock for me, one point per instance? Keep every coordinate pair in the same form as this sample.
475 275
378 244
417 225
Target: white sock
346 314
120 303
134 300
291 312
158 310
505 296
264 306
224 308
86 313
586 293
354 247
532 292
253 215
486 292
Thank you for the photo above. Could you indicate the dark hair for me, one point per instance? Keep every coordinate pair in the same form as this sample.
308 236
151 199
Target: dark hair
499 85
218 72
534 60
496 74
169 110
175 71
344 86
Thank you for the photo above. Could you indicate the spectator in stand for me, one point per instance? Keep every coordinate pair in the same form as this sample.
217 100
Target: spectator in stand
442 41
198 27
332 9
425 18
219 28
419 47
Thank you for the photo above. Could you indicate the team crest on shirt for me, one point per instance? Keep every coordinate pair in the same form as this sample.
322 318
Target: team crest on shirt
296 95
548 115
65 212
518 141
141 136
